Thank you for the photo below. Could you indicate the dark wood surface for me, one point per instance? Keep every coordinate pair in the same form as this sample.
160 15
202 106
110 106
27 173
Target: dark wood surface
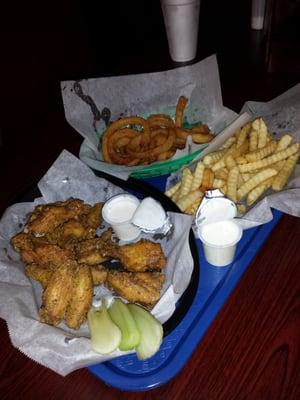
252 349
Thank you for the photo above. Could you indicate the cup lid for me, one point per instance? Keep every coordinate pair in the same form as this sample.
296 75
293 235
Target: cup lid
215 207
150 216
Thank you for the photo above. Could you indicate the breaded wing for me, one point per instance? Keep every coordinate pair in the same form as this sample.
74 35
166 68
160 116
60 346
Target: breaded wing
99 274
39 273
58 293
43 274
139 287
94 216
95 251
22 243
45 254
81 297
45 218
142 256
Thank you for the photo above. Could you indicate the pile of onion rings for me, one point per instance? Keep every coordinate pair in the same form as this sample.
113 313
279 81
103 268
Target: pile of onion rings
138 141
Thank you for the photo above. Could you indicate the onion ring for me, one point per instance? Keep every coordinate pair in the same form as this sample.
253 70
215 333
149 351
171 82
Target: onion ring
124 122
159 149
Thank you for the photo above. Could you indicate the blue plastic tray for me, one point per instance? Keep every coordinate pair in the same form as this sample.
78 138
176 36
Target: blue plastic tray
127 373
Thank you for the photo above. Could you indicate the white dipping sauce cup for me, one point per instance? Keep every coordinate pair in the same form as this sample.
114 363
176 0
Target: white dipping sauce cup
118 212
219 241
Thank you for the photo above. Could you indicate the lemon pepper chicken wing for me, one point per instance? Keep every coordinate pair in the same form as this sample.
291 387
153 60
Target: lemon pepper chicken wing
139 287
95 251
35 250
39 273
45 218
57 294
142 256
43 274
81 297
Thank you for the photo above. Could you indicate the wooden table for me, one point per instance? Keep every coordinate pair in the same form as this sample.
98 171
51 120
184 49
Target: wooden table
252 349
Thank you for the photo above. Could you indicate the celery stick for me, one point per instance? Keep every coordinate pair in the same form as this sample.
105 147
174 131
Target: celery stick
105 334
150 329
121 316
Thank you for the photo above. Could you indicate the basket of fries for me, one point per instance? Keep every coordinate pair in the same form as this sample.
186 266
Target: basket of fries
249 164
158 144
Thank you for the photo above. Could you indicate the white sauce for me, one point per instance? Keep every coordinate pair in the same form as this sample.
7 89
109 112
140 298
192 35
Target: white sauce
220 233
120 209
118 212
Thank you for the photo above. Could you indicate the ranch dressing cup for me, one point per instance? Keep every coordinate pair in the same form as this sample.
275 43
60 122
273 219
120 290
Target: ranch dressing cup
118 212
217 230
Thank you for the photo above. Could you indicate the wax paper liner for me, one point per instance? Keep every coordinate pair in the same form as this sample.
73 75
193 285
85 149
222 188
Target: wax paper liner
87 102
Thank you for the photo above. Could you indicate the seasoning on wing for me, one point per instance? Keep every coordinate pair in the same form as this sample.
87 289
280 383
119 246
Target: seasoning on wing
47 217
95 251
39 273
43 273
58 293
139 287
81 297
141 256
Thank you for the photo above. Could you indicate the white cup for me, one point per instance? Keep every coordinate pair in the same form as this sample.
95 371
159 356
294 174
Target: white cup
181 21
258 14
220 241
118 212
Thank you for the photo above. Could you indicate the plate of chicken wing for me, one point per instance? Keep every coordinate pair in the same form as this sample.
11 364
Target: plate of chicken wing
67 249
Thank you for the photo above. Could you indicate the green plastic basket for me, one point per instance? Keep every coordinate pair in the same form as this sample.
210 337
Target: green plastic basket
165 168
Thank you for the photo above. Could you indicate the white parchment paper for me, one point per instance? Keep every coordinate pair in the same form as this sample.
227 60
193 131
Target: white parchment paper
144 94
60 348
282 115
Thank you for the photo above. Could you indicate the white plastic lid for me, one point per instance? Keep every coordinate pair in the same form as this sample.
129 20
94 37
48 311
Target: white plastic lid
149 215
215 207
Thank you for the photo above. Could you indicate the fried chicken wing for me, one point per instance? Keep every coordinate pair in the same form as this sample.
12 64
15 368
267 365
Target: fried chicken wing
45 254
95 251
94 217
22 243
58 293
139 287
99 274
39 273
81 297
45 218
142 256
43 274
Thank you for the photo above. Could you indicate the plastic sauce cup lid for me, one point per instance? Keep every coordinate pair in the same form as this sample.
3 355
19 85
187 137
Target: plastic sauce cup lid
215 207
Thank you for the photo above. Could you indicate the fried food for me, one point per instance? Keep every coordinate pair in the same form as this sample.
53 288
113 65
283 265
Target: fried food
62 252
139 141
46 218
142 256
43 274
95 251
81 296
58 293
283 175
248 164
141 287
99 274
38 273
